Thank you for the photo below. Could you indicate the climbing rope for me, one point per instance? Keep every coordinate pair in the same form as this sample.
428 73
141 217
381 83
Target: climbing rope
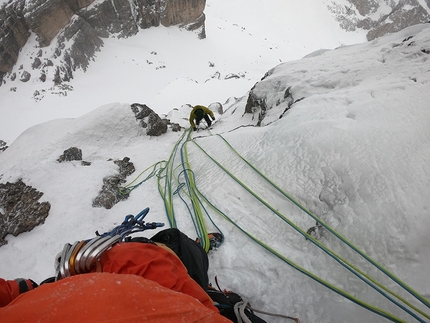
198 218
197 210
335 233
308 273
184 181
166 190
126 189
347 265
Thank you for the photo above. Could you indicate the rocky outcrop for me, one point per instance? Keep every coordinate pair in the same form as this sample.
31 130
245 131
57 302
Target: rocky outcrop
70 154
110 193
76 5
84 43
79 26
46 18
363 14
21 207
124 20
111 18
182 12
73 153
256 105
216 107
260 101
14 33
405 14
3 145
155 126
188 13
148 119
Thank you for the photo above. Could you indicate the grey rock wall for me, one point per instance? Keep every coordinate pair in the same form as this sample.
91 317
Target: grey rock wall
363 14
83 24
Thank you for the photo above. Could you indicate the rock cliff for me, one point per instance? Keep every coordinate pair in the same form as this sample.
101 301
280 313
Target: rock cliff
380 17
78 26
21 209
74 29
14 33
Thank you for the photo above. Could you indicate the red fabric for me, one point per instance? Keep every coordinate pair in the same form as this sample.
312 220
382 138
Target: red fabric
139 283
106 298
153 263
9 290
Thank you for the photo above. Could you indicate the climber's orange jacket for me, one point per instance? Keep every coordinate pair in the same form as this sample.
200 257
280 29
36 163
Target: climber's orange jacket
11 289
193 114
138 282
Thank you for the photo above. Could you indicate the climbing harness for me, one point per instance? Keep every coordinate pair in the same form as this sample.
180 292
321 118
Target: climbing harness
82 256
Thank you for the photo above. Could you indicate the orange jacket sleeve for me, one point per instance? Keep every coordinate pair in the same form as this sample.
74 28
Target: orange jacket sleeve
156 264
10 289
106 298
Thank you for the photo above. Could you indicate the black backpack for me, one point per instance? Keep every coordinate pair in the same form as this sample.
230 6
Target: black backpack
189 251
230 304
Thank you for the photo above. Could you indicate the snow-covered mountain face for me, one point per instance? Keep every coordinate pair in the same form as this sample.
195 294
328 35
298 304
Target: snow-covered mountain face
167 67
79 61
379 17
344 133
71 32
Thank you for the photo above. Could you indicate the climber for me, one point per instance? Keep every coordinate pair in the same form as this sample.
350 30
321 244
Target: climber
134 280
11 289
198 113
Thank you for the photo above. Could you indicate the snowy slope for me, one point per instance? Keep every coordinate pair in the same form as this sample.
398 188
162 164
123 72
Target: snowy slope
354 152
167 67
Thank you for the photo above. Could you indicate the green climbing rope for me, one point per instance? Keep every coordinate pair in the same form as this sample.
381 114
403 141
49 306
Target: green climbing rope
328 251
166 190
338 235
165 172
126 189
